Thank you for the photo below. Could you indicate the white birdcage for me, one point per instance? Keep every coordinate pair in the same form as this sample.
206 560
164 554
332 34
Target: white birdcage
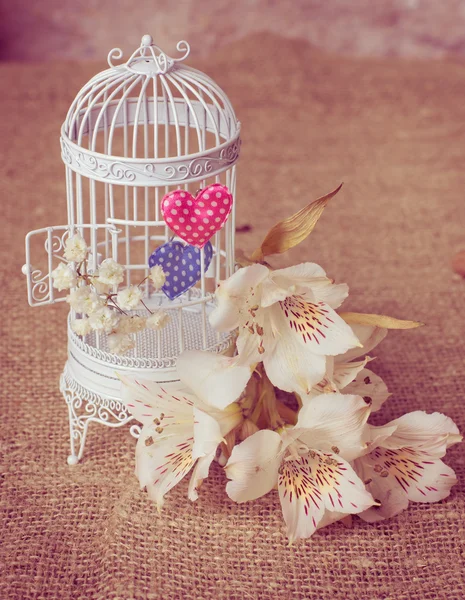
134 133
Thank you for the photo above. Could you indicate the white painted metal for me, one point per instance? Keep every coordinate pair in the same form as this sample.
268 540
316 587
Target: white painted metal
133 133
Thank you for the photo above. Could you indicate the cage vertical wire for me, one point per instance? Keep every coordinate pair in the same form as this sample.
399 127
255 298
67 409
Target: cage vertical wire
134 133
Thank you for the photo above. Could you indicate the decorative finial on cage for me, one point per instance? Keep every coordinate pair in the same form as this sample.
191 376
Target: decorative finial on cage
146 40
149 58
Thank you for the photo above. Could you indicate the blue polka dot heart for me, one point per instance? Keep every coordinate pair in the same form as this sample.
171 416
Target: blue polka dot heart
181 264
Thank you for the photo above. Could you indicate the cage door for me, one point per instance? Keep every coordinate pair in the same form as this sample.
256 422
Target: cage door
44 252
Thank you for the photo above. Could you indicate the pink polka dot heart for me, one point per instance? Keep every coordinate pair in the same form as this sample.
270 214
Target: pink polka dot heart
196 220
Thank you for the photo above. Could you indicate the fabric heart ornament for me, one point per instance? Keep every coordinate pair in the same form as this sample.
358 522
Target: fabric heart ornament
196 220
181 265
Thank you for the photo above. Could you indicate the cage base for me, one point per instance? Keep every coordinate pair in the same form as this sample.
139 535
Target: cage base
91 390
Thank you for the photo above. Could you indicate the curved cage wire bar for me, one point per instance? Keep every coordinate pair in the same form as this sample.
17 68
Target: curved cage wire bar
135 132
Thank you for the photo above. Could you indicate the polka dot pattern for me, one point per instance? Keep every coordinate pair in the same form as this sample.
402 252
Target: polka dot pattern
181 265
203 215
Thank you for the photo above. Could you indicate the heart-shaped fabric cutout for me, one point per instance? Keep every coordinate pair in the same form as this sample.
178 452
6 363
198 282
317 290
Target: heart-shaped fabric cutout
181 265
196 220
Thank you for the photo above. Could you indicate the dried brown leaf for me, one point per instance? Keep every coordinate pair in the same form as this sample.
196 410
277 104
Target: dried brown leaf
382 321
291 231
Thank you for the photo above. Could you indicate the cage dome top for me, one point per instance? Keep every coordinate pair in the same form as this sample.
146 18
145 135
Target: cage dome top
152 107
149 58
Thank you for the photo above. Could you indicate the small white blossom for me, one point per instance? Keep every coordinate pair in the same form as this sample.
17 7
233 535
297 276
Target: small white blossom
100 288
81 326
129 298
158 276
104 319
64 277
119 343
158 320
85 300
75 249
129 324
111 272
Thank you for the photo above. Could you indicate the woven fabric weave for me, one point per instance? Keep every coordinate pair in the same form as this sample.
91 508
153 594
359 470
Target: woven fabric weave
392 131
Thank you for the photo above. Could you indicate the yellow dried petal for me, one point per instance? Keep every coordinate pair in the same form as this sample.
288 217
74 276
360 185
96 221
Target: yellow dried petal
291 231
382 321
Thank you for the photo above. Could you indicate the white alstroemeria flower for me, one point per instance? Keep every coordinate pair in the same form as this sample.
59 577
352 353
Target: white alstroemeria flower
75 249
348 376
181 428
110 272
64 277
119 343
129 298
286 319
308 463
85 300
104 319
405 463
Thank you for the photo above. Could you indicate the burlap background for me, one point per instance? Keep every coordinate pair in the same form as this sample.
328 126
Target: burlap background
393 132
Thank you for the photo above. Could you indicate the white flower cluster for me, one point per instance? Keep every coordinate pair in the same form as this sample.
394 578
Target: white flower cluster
100 308
75 249
157 276
64 277
290 411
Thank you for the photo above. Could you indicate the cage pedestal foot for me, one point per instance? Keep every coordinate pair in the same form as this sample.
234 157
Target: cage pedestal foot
85 407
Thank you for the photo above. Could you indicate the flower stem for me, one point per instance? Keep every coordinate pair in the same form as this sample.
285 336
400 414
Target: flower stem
286 412
270 411
299 400
257 411
110 299
143 303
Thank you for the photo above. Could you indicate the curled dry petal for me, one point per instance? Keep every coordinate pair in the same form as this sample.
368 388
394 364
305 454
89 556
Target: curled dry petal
291 231
382 321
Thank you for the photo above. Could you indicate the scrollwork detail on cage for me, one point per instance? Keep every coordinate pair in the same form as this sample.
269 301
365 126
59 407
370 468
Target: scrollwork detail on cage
65 153
115 170
138 362
141 172
57 245
161 63
86 346
38 280
85 407
135 430
40 286
115 53
231 153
